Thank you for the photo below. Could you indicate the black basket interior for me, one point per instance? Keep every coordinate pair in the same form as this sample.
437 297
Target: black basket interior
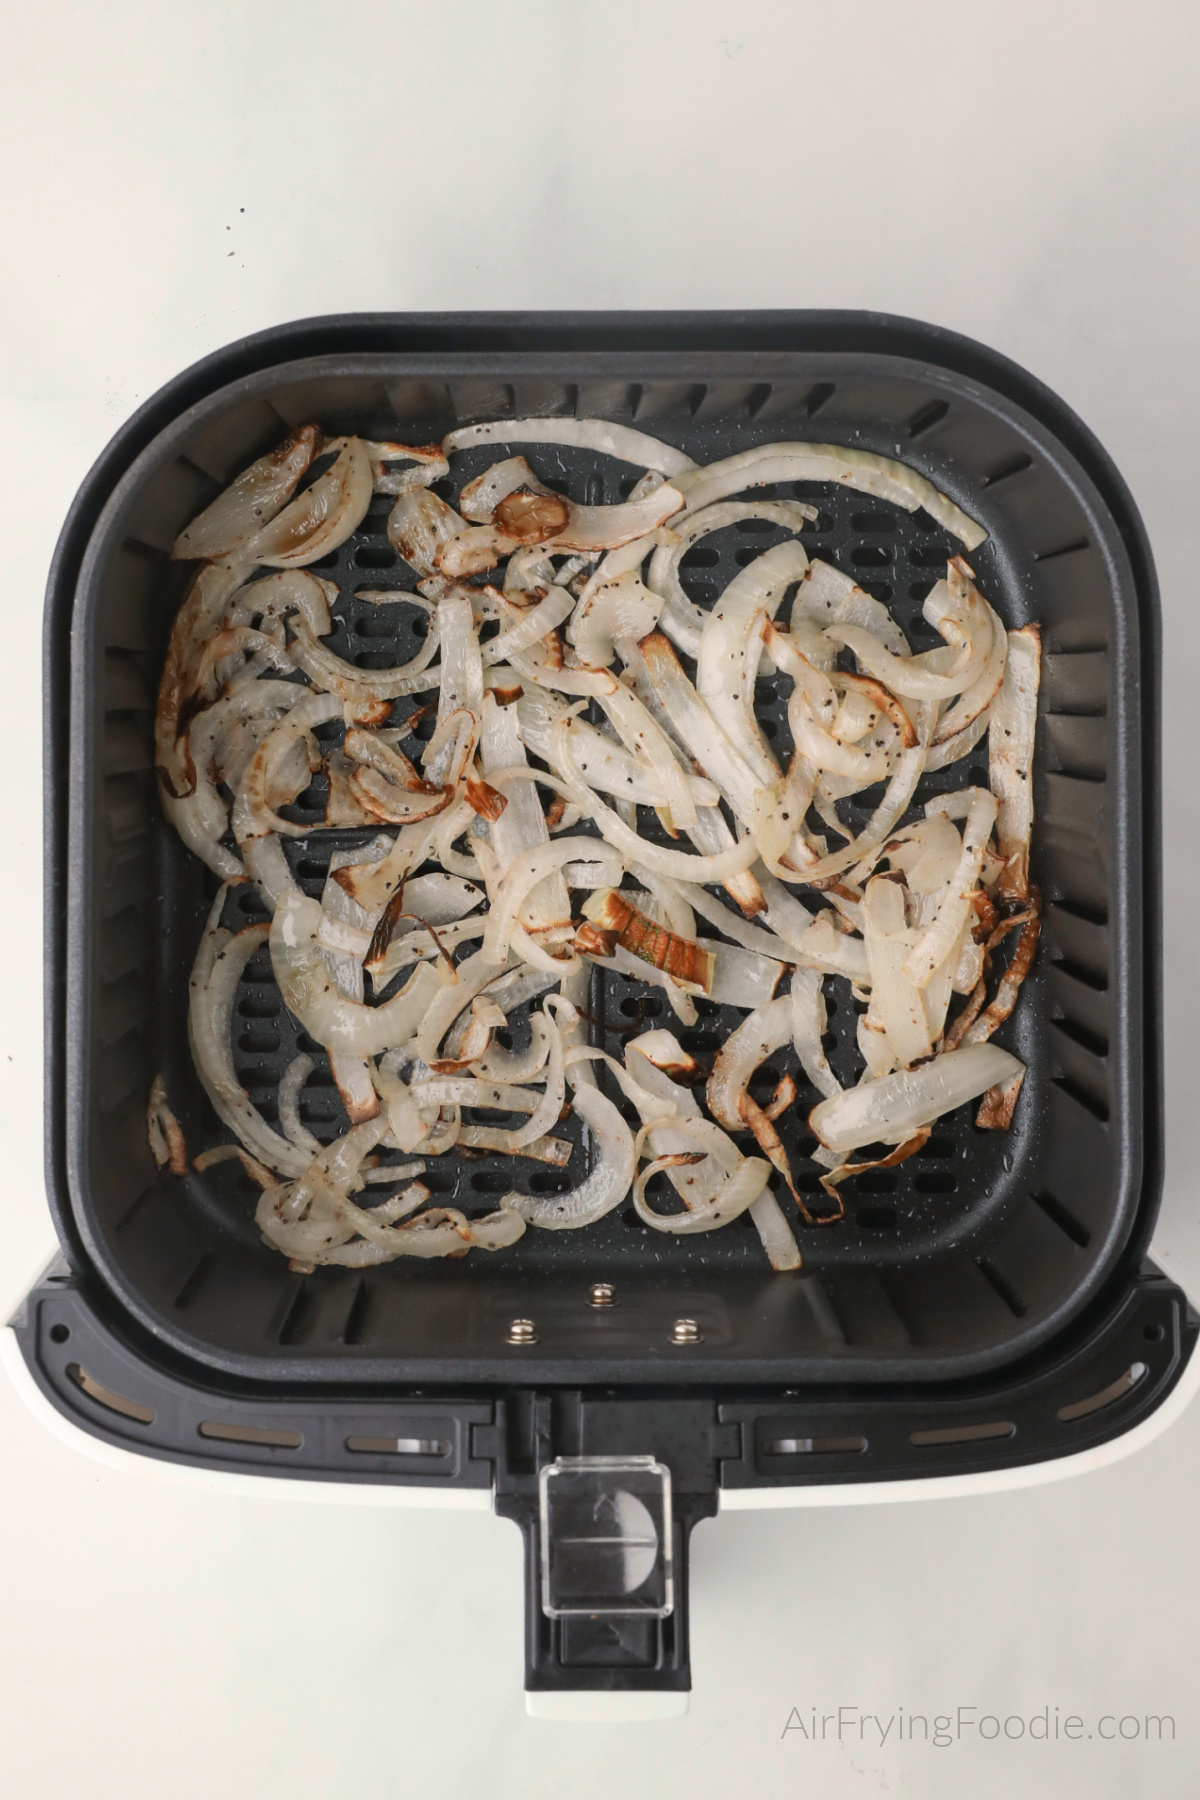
959 1259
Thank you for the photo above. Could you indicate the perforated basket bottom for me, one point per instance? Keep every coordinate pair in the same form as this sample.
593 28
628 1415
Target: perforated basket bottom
930 1202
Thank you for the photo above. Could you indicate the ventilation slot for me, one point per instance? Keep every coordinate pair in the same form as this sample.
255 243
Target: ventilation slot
141 548
374 659
927 418
819 397
1016 465
1066 1221
1091 1041
1081 1409
298 1317
1070 549
265 1005
936 1181
1090 1102
355 1329
129 1409
193 1284
251 1434
1082 909
387 1446
1095 777
132 1211
963 1434
1088 978
849 1444
375 625
1001 1286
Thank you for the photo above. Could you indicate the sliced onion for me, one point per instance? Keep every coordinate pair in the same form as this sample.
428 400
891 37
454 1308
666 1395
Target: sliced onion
251 501
890 1110
682 621
860 469
1001 1007
339 677
860 609
522 876
608 613
352 1078
479 498
531 625
322 517
427 465
825 947
730 645
499 1064
823 750
594 528
936 944
522 824
419 523
290 1087
473 976
461 686
906 941
908 677
750 937
976 700
714 752
926 852
809 1023
279 596
1010 756
212 992
766 1030
552 1150
550 1105
163 1131
941 756
202 816
776 1235
674 863
897 1007
253 816
741 1186
613 769
625 963
606 1186
202 613
340 1024
860 854
620 441
684 959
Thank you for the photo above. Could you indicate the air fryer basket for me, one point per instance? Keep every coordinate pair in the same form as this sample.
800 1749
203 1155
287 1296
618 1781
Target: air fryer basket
959 1259
988 1260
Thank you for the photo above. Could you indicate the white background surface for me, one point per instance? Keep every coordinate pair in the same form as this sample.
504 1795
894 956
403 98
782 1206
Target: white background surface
176 176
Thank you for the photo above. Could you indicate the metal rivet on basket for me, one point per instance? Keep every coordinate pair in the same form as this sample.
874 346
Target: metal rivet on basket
522 1331
602 1294
685 1331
